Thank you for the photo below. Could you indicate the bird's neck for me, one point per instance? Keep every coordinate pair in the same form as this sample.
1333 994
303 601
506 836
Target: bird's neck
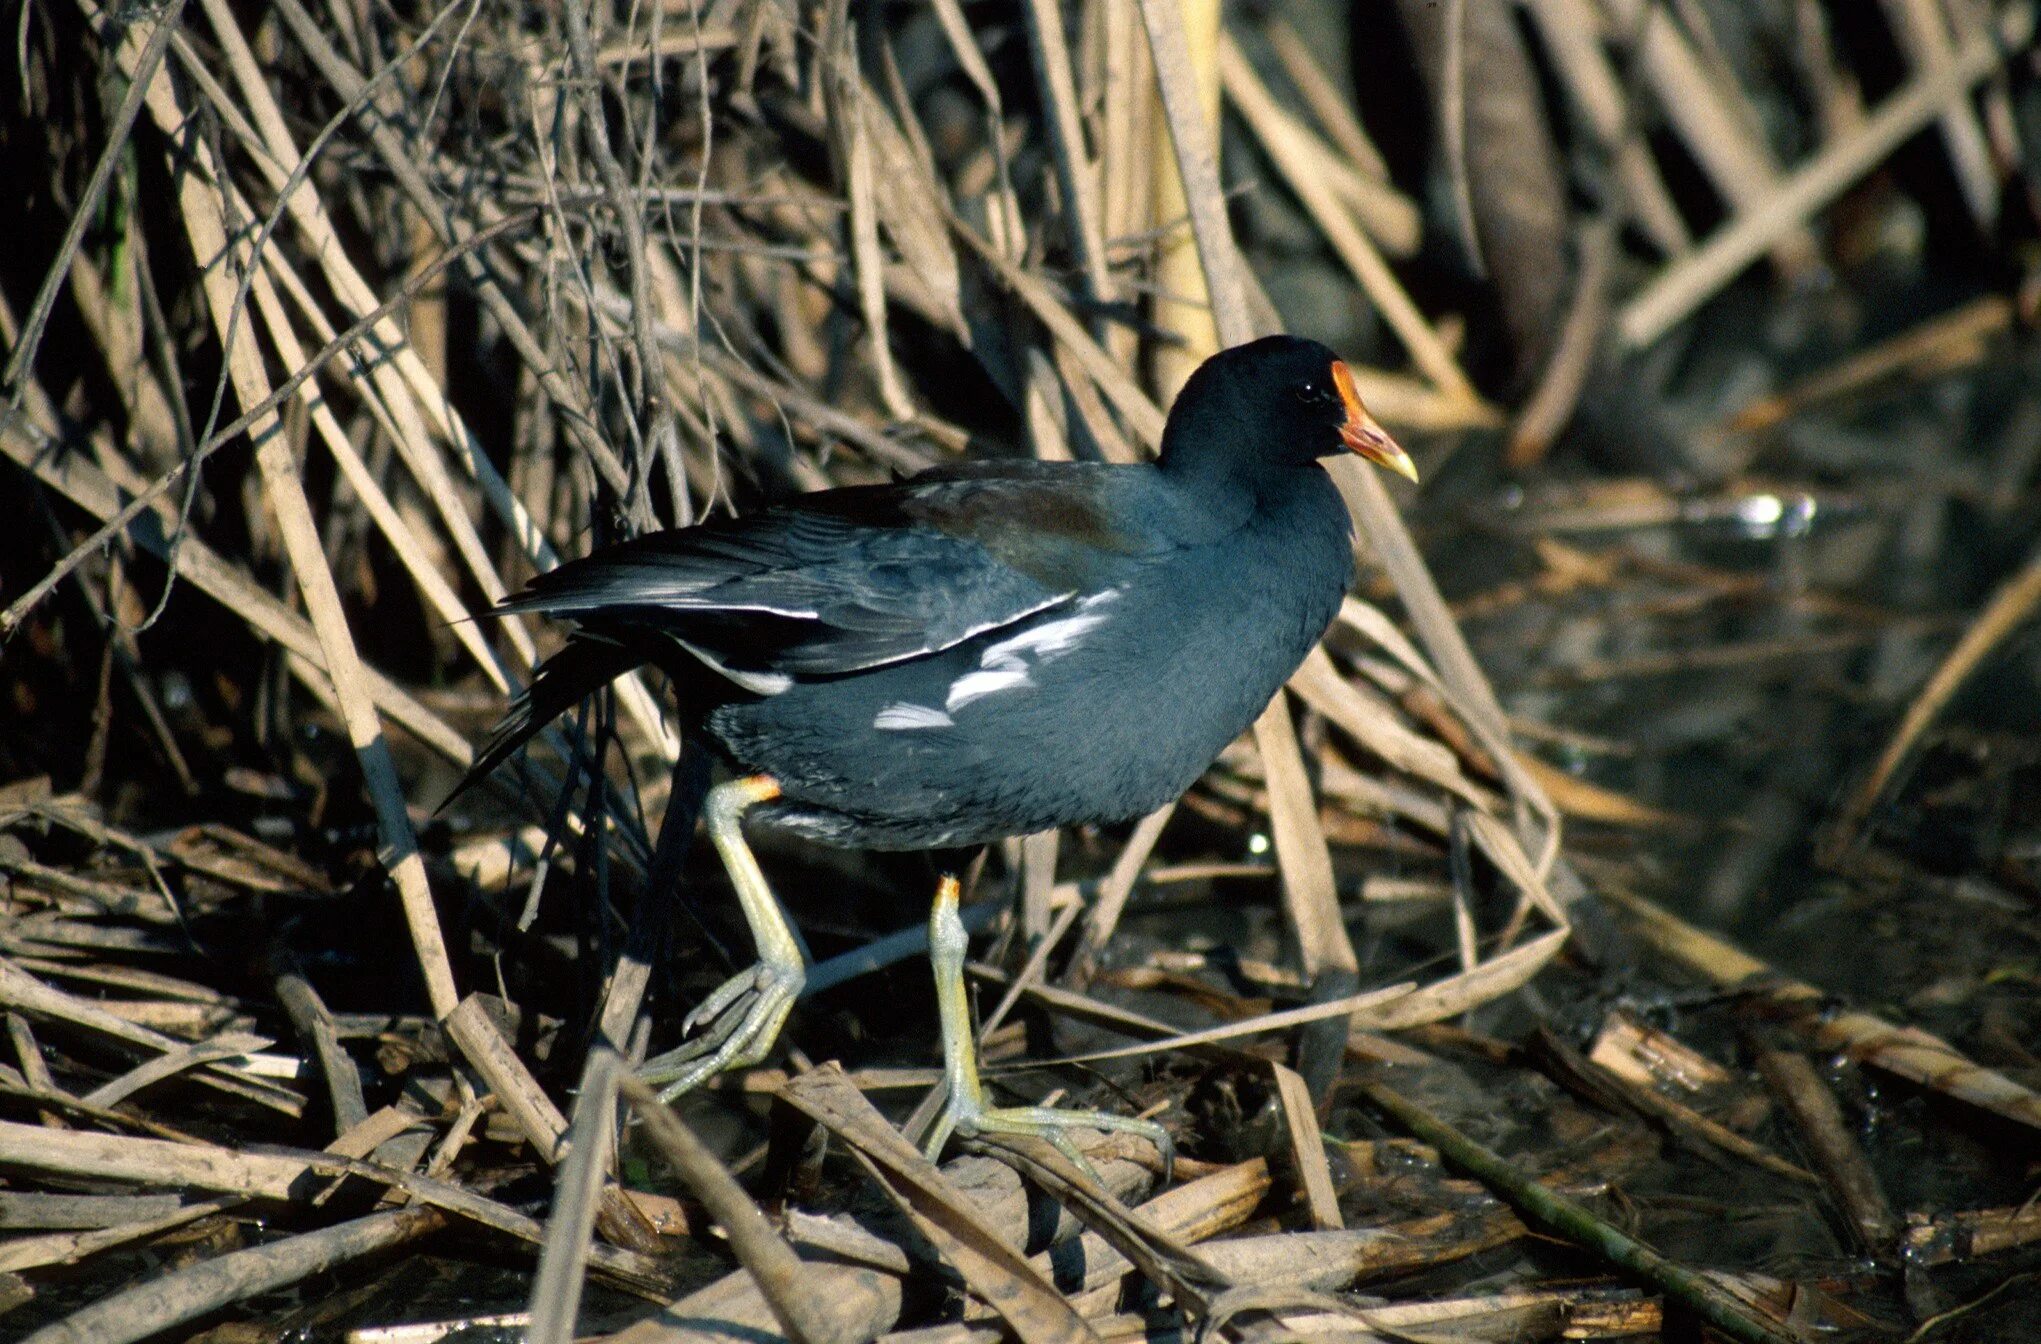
1223 464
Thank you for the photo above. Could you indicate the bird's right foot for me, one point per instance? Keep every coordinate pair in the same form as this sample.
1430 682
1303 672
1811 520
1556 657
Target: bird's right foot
742 1019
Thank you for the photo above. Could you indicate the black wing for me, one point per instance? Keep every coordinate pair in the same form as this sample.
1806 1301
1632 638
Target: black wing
850 579
831 583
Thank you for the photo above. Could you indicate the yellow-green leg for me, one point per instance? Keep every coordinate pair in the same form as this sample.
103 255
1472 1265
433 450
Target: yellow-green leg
743 1017
966 1112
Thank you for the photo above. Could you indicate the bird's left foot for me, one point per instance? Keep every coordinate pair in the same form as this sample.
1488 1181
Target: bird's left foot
966 1113
743 1017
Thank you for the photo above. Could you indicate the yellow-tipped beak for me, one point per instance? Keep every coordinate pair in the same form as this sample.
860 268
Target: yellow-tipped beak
1363 434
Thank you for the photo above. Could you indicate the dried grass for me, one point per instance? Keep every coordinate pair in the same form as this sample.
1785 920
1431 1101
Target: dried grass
421 304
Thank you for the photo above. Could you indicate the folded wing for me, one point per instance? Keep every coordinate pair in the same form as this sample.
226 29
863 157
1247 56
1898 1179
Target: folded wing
799 591
830 584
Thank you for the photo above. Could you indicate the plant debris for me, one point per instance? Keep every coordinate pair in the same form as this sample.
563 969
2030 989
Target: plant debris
1624 920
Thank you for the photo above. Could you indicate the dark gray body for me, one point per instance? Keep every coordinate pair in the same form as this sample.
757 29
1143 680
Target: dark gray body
1096 709
993 649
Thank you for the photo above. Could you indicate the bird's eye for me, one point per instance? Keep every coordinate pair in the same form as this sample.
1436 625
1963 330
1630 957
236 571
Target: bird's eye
1311 394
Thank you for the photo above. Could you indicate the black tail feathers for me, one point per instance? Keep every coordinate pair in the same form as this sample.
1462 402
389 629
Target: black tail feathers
563 681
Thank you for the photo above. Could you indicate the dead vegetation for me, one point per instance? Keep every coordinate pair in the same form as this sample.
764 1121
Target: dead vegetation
326 329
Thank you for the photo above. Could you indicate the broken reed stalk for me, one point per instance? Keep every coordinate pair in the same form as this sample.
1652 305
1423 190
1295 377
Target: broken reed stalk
1909 1052
170 1300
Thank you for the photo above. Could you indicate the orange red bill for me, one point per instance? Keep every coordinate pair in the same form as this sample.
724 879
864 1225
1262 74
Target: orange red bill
1362 433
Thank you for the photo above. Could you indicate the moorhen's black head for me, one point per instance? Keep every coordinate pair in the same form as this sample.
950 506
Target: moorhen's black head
1269 407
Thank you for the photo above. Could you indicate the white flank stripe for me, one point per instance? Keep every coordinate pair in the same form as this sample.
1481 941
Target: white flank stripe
1051 639
977 685
1005 665
900 717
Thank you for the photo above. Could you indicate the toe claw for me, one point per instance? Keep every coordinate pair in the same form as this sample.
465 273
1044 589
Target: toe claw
1165 1147
1059 1135
725 994
735 1027
1054 1126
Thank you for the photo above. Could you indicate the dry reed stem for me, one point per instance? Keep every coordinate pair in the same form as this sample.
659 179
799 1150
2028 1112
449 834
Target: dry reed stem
282 1175
1835 1151
470 1027
1293 815
1329 106
72 1248
1188 300
1568 29
1307 1149
1298 160
147 59
152 1307
1050 50
281 158
1361 1009
868 1288
795 1296
1551 405
1922 28
1712 119
1451 119
400 378
1190 1213
1388 215
1687 283
1110 900
302 542
2011 607
90 489
1606 1087
1556 1215
397 372
1934 346
940 1212
1970 1233
24 993
1911 1053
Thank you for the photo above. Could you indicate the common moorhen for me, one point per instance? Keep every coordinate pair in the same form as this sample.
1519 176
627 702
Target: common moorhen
981 651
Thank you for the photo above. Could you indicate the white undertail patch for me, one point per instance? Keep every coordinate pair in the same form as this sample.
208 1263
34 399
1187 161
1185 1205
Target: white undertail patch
758 683
986 681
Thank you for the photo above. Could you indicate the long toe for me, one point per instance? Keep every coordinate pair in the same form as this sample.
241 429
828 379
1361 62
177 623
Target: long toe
739 1024
727 994
687 1075
1043 1122
666 1067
